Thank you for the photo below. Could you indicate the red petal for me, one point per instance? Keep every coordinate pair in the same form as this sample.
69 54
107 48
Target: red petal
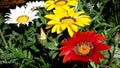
77 34
77 57
94 58
87 36
99 38
100 55
82 37
66 58
90 36
64 47
65 43
75 39
74 57
100 47
71 42
84 59
64 52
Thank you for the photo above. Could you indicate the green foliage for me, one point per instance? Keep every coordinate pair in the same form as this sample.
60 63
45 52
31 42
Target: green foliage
20 47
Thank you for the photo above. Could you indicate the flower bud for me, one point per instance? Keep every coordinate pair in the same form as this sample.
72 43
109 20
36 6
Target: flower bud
42 34
116 36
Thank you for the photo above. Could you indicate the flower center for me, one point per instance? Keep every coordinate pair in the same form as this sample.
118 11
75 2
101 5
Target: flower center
84 49
22 19
60 2
67 20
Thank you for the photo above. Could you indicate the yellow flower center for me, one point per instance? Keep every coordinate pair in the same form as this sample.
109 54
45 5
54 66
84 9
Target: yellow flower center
67 20
83 49
22 19
60 2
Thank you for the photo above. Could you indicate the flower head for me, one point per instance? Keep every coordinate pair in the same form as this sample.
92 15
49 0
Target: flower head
21 15
50 4
35 4
83 46
62 19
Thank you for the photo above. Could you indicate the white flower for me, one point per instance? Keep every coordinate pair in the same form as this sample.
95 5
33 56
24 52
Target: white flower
21 15
35 4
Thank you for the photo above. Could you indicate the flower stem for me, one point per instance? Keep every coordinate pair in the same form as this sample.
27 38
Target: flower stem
116 11
1 34
112 56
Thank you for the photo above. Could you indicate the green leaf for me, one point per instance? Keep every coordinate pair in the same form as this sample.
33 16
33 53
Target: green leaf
112 31
25 53
29 55
33 47
51 46
53 54
54 40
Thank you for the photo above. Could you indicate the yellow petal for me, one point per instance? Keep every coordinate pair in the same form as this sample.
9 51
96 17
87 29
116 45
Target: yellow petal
71 12
58 8
60 12
74 27
51 7
63 26
53 22
48 3
59 30
66 7
73 3
70 31
79 23
85 20
54 29
48 26
78 13
50 16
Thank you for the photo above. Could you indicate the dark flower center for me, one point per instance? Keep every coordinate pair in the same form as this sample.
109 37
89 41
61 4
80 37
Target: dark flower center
60 2
67 20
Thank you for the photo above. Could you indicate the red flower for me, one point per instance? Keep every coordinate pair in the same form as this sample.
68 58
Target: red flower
83 46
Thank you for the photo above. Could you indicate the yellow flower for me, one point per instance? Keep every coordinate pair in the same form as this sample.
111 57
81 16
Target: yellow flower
62 19
50 4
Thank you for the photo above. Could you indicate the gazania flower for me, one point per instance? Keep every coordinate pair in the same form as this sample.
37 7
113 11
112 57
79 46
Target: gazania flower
21 15
50 4
83 46
35 4
62 19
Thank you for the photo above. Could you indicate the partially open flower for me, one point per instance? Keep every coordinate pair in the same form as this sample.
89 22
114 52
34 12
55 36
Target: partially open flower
50 4
116 36
42 35
35 4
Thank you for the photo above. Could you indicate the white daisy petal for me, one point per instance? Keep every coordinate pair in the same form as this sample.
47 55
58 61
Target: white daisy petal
35 4
21 15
